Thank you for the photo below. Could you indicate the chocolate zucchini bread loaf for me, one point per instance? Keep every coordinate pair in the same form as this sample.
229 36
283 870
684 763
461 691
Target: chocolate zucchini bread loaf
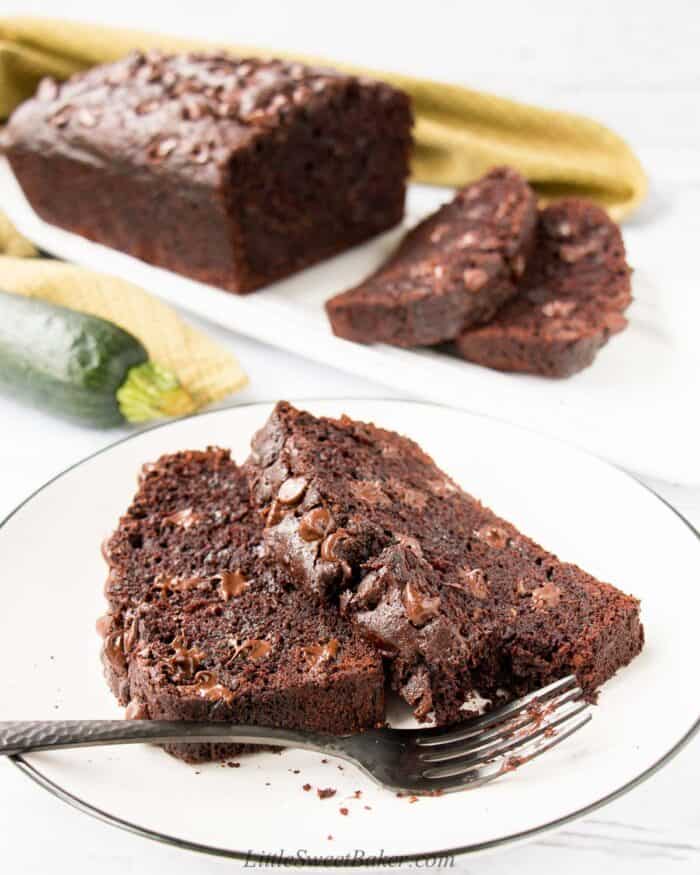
199 629
234 172
571 300
453 270
455 598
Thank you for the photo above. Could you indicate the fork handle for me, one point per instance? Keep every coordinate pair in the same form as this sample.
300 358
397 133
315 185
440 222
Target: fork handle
26 736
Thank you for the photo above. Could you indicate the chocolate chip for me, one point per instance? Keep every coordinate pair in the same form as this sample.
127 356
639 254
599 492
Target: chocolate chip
546 596
114 653
232 584
419 607
292 490
255 648
207 686
494 536
315 524
472 581
186 518
329 547
317 654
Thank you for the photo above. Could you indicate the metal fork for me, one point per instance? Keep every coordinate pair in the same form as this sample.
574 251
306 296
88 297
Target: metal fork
427 761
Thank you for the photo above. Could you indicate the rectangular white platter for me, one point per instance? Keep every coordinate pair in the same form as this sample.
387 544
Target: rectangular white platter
635 405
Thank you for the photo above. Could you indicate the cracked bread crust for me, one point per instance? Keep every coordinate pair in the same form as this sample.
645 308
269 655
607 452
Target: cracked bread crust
456 599
454 269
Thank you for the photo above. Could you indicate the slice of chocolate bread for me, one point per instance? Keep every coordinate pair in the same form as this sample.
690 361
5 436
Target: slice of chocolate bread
199 629
456 598
454 269
573 294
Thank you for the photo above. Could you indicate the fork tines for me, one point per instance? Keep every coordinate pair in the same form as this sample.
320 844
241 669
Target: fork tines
503 739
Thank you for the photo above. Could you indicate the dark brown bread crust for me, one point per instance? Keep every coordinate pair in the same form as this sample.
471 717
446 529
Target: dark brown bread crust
198 629
455 597
234 172
573 294
454 269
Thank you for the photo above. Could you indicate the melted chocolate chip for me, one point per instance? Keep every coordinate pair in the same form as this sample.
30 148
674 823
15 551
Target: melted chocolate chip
329 547
419 607
232 584
494 536
184 661
185 518
317 654
546 596
471 581
254 648
206 684
114 652
315 524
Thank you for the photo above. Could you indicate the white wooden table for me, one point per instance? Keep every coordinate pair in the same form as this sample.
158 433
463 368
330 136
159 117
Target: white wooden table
634 66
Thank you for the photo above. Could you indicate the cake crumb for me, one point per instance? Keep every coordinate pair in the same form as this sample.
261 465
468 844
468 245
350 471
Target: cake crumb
344 812
368 807
233 765
306 787
413 799
326 793
357 794
330 838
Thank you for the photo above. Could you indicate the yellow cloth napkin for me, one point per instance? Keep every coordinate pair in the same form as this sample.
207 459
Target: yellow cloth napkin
208 371
459 133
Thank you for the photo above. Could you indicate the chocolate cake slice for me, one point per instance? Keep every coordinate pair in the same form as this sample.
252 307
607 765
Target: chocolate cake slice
571 300
199 629
457 599
452 270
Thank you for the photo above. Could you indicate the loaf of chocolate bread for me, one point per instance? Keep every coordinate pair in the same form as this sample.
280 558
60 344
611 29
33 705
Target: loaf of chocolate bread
457 599
571 300
199 629
453 270
234 172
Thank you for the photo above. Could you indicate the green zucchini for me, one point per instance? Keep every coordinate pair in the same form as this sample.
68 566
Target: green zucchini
81 367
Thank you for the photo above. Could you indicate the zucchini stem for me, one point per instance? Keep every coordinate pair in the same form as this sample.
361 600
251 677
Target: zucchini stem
152 392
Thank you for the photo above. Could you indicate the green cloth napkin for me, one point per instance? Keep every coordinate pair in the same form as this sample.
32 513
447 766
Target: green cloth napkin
460 133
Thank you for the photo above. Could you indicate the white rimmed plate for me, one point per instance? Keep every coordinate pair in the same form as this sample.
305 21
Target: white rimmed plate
574 504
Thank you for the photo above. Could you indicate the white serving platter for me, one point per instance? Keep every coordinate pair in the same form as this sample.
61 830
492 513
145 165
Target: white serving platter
634 406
